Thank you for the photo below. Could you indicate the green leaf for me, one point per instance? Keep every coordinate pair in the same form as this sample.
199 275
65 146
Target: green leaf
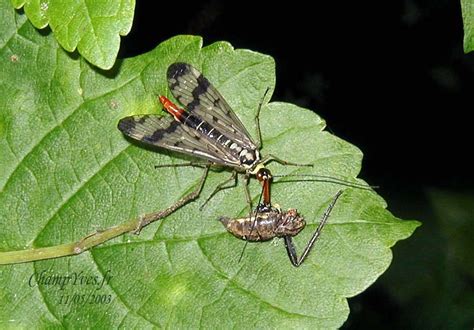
454 214
433 272
453 298
93 27
67 171
467 7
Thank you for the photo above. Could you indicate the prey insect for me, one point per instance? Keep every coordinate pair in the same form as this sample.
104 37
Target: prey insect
268 222
208 129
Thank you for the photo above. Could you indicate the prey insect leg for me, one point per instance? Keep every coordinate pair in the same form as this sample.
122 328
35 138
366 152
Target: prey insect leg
290 247
150 217
260 207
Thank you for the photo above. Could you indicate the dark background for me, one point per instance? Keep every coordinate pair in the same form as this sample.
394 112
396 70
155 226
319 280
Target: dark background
390 78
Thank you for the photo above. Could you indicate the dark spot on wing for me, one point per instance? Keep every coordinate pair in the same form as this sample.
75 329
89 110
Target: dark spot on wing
176 70
201 88
159 133
142 120
126 125
191 106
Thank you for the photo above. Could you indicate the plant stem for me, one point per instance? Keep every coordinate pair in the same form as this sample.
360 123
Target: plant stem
98 237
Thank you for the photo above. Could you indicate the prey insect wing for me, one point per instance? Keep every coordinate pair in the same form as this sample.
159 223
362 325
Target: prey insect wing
200 97
167 133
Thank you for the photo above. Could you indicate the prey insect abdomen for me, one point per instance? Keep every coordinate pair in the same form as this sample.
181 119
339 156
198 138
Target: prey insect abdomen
250 229
268 225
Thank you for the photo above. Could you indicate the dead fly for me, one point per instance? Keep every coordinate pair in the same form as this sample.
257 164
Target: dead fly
267 223
208 129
